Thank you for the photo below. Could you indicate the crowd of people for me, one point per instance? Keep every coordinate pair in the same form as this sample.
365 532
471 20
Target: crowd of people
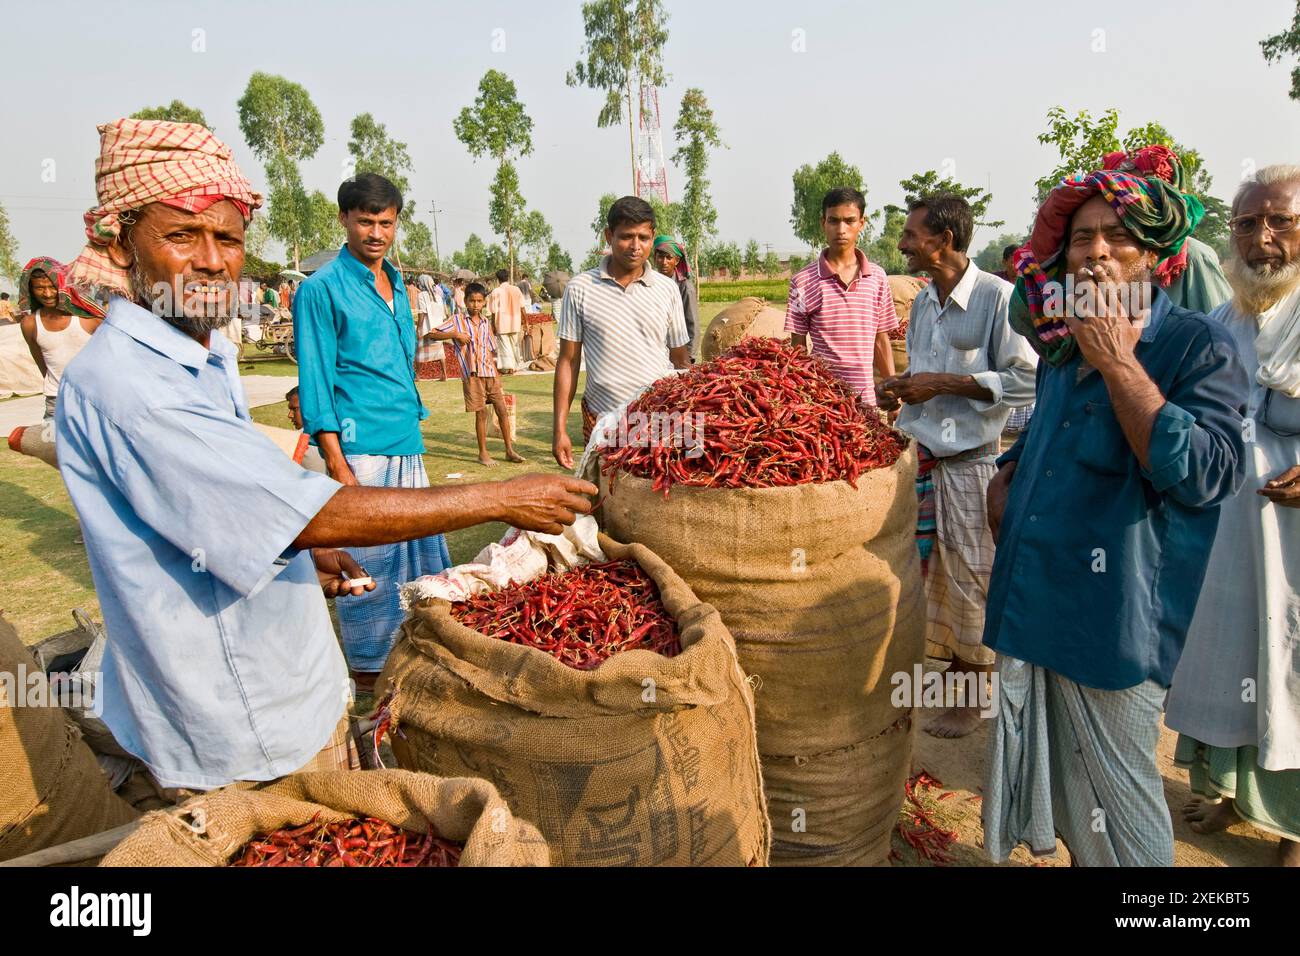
1118 557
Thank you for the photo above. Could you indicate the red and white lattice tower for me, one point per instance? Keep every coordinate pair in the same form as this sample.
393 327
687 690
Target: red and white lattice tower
651 172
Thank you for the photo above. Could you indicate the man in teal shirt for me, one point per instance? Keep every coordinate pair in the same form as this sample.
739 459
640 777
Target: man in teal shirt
355 339
1104 513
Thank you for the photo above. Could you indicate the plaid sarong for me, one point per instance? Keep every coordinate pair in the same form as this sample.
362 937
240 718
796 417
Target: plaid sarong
925 531
1079 762
1270 799
369 623
588 421
149 161
340 753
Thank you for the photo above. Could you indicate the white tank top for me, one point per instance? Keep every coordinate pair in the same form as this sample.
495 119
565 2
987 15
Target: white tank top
58 348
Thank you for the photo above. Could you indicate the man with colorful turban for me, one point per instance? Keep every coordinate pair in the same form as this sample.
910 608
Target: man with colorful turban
1235 700
671 260
221 662
1104 512
58 320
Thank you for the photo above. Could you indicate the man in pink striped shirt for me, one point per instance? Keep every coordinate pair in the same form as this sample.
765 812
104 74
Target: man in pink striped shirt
843 301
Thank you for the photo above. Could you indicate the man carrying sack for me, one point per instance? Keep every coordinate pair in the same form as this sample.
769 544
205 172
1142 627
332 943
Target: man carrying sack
221 663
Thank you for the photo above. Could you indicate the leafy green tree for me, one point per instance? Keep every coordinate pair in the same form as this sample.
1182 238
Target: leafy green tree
592 259
256 237
811 183
173 112
929 184
883 249
536 240
602 214
322 229
1283 44
624 47
696 133
721 255
557 260
417 250
497 125
752 258
9 266
282 127
473 256
668 216
990 257
771 265
374 151
796 262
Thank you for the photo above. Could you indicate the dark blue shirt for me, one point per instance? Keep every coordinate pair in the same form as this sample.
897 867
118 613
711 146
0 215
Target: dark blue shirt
1099 561
356 360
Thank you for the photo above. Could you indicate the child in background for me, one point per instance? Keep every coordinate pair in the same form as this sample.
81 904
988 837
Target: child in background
476 351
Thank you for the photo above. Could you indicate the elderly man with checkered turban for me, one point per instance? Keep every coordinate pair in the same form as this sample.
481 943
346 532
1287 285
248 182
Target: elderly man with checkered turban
221 662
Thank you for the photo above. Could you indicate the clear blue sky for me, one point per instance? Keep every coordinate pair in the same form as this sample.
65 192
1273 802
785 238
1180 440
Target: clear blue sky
896 88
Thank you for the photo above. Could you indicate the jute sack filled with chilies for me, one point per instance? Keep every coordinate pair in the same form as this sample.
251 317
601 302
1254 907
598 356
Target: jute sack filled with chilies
51 788
210 830
644 761
820 586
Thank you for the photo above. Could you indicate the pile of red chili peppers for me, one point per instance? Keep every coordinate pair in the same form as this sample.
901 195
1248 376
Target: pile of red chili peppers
581 617
917 826
358 842
773 415
899 334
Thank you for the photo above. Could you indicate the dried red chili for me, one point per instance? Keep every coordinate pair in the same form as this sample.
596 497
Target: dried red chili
581 617
918 827
357 842
773 416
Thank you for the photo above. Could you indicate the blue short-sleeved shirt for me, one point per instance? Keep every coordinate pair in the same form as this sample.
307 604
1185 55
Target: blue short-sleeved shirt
356 360
1099 561
221 663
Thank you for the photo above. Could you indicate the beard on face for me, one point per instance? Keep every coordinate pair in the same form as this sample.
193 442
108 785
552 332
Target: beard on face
160 299
1257 289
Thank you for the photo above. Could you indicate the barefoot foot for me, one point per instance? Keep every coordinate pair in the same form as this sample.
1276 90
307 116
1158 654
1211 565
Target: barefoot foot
954 722
1206 817
515 457
486 460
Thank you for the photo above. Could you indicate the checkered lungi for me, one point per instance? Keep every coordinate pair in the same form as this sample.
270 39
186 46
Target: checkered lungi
369 623
953 501
1077 762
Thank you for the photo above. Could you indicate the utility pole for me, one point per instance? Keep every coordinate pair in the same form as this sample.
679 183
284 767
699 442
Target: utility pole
433 208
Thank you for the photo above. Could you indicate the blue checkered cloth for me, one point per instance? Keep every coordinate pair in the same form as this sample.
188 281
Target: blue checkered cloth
369 623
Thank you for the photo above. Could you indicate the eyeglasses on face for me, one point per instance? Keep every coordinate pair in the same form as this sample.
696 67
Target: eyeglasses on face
1276 222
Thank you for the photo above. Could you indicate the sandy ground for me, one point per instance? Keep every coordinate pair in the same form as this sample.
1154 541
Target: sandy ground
960 765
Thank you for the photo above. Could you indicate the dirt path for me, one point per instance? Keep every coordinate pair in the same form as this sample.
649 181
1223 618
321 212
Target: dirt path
960 765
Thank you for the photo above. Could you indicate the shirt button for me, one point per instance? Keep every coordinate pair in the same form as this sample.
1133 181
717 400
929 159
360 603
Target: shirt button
1033 517
934 353
1065 424
1049 473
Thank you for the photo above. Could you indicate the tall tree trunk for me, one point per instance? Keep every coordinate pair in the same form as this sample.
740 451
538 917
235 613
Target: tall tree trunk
631 135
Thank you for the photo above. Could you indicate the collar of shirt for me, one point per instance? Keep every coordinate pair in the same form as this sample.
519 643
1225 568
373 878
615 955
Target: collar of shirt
643 278
1160 305
824 270
163 337
362 271
960 293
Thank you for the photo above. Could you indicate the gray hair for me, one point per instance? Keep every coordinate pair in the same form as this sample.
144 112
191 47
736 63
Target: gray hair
1275 175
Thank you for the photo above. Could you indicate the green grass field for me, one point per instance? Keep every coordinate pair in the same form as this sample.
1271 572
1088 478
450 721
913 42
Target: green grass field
46 573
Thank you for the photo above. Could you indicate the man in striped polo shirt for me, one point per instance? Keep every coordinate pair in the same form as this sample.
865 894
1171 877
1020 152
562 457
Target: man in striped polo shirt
843 300
626 319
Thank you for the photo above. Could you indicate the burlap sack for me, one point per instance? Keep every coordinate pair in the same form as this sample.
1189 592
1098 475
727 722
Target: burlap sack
512 419
209 830
751 317
645 761
820 586
903 290
51 788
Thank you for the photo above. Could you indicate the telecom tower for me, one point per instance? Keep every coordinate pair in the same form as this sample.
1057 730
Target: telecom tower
651 172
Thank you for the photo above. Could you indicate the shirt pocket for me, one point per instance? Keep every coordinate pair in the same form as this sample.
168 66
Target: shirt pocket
1102 446
1282 415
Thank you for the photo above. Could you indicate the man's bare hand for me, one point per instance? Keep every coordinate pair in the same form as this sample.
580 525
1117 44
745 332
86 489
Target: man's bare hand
996 499
341 472
562 449
919 388
545 503
1104 331
1284 490
885 397
331 567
